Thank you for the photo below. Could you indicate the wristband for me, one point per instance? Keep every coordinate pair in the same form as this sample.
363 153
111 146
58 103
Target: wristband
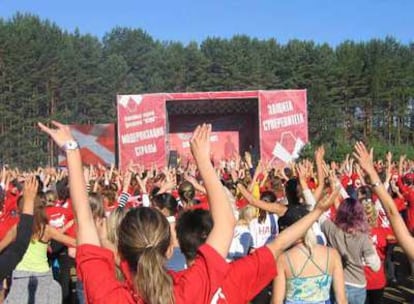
70 145
376 184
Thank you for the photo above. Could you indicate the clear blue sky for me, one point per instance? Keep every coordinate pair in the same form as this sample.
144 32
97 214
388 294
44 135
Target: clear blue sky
331 21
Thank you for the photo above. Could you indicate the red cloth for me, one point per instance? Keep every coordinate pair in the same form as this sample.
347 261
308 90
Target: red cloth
197 284
241 203
311 183
109 209
10 202
345 181
409 197
7 222
247 277
377 280
400 203
58 216
203 203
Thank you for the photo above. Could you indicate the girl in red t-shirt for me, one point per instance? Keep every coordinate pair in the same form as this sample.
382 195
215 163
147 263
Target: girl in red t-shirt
144 239
376 281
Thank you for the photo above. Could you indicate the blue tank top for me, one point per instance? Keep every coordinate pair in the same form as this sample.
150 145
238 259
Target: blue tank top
311 289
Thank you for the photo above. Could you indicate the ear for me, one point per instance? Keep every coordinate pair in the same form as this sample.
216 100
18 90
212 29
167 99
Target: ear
170 251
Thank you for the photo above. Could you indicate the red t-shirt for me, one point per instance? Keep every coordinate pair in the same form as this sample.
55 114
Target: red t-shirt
400 203
203 203
409 197
10 202
197 284
241 203
247 277
377 280
6 223
58 216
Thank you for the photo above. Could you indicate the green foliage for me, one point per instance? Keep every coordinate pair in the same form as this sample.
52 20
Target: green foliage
356 91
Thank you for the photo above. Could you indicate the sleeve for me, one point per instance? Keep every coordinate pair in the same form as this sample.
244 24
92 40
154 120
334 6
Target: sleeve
198 283
249 275
370 255
96 269
123 199
327 227
145 200
309 199
246 240
14 253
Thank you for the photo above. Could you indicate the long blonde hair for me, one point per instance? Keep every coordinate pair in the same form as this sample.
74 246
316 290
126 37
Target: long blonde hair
144 238
113 222
310 240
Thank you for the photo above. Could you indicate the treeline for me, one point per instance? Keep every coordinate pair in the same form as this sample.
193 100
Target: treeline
357 90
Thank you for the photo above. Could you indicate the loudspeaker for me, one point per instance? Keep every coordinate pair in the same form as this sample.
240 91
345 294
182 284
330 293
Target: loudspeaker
173 159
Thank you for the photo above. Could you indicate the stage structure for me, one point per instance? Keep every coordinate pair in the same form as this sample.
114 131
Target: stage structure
271 124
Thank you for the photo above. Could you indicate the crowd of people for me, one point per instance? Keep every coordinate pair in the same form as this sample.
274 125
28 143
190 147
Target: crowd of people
234 232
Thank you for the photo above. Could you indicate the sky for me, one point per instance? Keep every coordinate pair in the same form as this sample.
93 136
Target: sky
330 21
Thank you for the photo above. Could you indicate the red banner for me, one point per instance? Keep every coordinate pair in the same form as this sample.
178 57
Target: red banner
142 130
97 144
283 124
224 145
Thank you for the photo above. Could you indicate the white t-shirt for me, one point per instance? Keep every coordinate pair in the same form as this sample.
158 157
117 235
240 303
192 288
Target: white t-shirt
264 232
241 243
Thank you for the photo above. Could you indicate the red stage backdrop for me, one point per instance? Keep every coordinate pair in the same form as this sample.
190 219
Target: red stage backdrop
283 124
224 145
143 123
142 129
97 143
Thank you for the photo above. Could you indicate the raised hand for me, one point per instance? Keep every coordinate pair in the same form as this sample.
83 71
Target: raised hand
60 135
328 201
200 143
190 178
248 159
301 173
388 157
126 180
29 193
320 154
364 157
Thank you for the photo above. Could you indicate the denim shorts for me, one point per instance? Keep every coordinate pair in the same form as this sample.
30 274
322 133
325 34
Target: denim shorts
355 295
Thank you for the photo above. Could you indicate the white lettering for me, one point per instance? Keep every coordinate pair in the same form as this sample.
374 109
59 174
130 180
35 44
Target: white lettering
282 122
280 107
133 124
142 135
145 149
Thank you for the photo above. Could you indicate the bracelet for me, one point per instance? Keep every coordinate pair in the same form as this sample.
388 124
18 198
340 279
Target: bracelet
376 184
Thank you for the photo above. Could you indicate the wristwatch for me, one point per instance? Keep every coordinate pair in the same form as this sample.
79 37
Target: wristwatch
70 145
376 184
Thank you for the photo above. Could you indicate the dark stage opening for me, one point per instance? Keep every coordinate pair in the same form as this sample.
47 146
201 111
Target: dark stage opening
225 115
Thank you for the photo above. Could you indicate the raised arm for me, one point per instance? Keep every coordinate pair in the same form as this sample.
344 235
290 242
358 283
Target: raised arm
319 160
14 253
86 232
276 208
291 234
400 229
221 235
58 236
